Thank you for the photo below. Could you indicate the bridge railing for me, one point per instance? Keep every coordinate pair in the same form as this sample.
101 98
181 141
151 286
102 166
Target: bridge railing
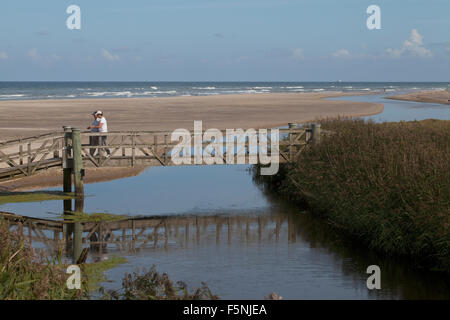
134 148
26 156
23 157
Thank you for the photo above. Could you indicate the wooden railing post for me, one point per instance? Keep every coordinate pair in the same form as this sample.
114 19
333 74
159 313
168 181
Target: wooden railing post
315 132
133 149
123 148
77 162
292 149
29 158
67 168
56 151
20 154
165 149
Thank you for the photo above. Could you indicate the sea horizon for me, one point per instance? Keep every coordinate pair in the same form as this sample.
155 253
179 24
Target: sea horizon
41 90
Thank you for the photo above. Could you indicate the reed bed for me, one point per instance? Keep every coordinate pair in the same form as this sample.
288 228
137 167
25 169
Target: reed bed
385 184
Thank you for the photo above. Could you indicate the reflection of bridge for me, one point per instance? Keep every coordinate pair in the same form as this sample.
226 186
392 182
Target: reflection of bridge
134 234
27 156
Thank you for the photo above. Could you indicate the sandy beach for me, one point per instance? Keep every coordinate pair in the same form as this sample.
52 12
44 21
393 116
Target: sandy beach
21 118
431 96
30 117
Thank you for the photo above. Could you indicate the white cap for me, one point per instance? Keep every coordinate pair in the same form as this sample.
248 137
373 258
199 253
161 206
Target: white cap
99 112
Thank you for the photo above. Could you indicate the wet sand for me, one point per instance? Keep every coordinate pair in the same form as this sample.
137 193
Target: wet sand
431 96
23 118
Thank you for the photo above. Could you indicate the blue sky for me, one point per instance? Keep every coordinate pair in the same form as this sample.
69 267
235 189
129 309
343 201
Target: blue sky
225 40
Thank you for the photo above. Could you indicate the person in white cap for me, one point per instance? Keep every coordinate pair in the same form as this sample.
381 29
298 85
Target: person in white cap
102 127
93 141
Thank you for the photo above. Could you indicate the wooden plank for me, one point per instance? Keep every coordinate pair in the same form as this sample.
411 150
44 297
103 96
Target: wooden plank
12 163
31 139
90 157
44 155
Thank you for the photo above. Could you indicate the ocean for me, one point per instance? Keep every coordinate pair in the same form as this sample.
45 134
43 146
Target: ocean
93 90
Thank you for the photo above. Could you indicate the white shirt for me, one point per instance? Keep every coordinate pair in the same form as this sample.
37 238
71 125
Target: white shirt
104 127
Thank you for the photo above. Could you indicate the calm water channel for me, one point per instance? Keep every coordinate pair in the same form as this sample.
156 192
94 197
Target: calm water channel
215 224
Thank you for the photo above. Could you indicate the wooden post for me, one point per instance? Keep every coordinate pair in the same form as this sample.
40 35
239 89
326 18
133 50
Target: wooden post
77 163
56 151
133 150
292 150
218 229
78 232
197 229
29 159
21 154
186 234
165 149
259 230
315 131
166 235
123 148
67 170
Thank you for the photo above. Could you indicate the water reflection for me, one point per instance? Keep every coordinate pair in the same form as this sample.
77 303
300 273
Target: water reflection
241 256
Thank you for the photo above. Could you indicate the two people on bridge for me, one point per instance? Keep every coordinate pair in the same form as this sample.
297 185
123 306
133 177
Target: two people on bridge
99 124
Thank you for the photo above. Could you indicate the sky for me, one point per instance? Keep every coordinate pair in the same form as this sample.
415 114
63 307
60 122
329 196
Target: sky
224 40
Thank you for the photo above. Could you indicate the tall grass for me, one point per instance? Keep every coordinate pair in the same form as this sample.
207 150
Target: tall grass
386 184
25 274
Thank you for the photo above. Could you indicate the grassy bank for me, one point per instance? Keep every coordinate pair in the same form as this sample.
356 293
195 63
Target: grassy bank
26 274
385 184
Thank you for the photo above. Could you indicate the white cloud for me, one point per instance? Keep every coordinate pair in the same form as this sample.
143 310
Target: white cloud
341 53
34 55
109 56
297 53
3 55
413 47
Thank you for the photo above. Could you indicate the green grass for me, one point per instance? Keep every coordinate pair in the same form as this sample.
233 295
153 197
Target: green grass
94 272
24 274
385 184
11 197
93 217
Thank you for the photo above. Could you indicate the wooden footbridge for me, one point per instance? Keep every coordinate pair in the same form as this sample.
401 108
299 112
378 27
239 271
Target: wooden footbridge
73 150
